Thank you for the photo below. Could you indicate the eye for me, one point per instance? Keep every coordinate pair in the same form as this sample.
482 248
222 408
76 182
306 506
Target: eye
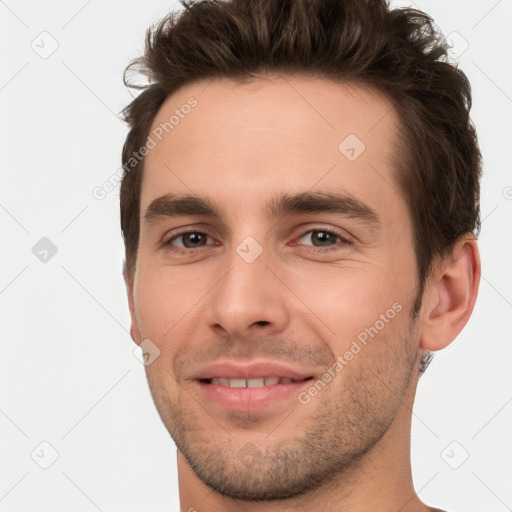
323 238
189 240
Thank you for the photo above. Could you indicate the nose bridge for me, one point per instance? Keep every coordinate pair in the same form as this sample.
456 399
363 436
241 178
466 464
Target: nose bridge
247 294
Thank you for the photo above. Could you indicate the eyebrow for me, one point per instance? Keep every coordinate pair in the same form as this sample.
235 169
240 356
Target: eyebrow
176 205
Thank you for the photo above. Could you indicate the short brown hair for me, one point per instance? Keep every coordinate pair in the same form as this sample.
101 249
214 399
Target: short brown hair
399 52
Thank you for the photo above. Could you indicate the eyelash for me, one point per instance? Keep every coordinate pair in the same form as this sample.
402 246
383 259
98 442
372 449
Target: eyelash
184 250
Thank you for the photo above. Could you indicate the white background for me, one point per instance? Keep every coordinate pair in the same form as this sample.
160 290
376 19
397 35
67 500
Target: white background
68 375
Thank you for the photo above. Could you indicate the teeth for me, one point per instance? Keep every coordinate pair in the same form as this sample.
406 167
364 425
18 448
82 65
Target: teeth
250 383
255 383
237 383
221 381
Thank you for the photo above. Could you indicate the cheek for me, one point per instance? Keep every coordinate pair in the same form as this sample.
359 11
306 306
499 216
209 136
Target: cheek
161 301
355 301
160 306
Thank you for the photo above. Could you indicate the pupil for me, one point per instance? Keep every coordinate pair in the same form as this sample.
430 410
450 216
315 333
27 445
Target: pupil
193 238
323 237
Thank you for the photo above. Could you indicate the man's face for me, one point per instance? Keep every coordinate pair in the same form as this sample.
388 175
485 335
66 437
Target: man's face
303 286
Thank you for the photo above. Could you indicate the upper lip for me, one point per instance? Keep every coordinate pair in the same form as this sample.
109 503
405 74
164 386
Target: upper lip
231 370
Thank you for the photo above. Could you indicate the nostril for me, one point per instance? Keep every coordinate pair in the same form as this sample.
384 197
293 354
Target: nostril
262 322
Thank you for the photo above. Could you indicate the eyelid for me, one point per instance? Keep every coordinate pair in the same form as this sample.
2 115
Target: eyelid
190 228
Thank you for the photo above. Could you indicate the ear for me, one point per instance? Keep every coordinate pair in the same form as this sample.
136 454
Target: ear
451 294
134 328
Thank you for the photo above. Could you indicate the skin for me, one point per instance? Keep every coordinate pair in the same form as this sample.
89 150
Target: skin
300 301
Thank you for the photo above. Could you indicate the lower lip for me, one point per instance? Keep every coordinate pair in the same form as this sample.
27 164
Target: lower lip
250 399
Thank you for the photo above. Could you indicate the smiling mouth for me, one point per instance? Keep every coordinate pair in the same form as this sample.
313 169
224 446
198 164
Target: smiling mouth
256 382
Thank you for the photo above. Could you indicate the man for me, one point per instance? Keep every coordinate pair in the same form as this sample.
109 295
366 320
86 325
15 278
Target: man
300 208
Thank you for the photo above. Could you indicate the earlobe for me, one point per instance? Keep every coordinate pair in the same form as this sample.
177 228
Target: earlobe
134 333
451 294
134 329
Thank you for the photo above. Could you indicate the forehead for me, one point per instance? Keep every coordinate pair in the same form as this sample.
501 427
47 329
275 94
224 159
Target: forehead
273 133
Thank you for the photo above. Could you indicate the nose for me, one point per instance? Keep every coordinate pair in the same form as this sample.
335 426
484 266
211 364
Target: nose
248 299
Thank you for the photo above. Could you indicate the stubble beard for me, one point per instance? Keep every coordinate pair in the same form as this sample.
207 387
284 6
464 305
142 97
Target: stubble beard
347 420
